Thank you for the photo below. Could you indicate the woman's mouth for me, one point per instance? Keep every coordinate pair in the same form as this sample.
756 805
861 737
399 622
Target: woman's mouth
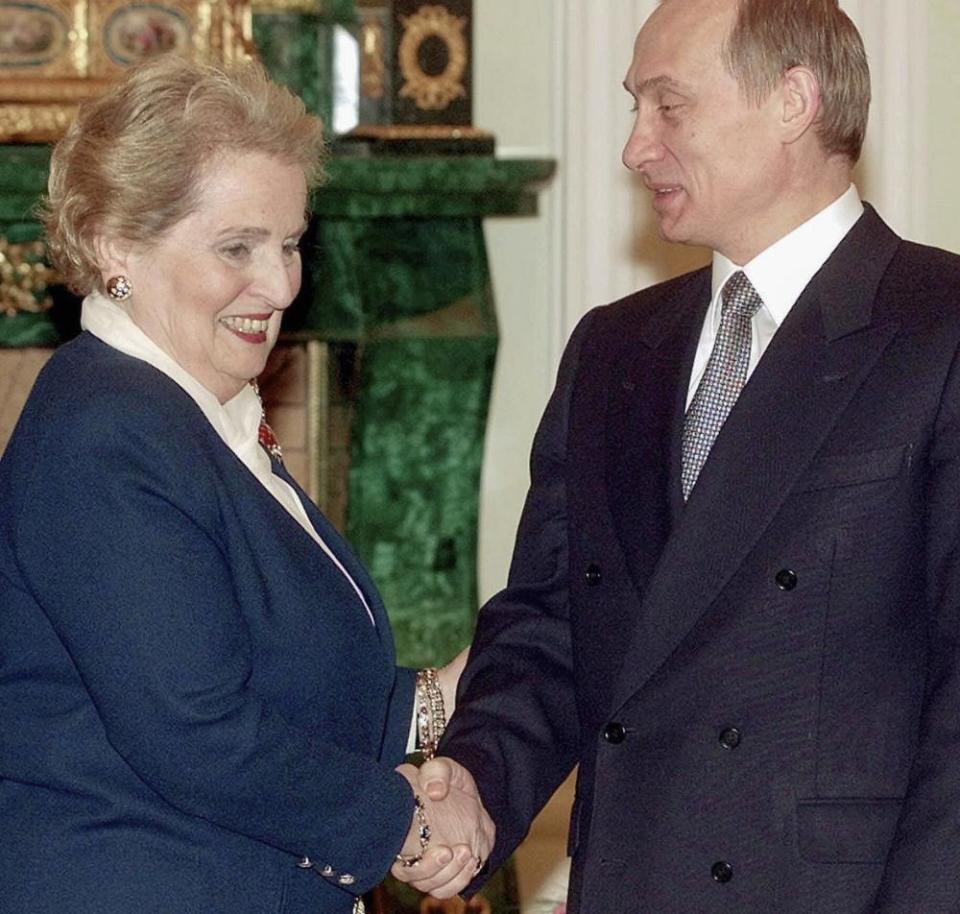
252 329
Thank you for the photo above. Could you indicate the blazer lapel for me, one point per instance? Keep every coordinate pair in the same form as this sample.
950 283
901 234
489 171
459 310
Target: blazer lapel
808 375
647 393
341 549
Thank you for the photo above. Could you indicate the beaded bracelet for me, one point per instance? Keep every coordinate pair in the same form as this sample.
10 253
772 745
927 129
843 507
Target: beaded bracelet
431 714
423 835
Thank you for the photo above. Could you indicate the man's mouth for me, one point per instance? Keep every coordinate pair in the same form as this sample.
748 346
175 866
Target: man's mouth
664 194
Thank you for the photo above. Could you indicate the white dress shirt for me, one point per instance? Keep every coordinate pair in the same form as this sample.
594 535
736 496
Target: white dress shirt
779 274
237 421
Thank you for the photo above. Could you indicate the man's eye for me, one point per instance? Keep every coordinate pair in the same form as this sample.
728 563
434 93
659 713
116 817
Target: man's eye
291 248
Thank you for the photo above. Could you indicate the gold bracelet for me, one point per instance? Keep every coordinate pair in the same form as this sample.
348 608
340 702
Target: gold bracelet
431 714
423 835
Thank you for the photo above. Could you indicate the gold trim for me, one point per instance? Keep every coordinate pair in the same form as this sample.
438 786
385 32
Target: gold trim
51 90
433 93
37 105
318 422
372 63
80 36
35 123
418 132
24 278
287 6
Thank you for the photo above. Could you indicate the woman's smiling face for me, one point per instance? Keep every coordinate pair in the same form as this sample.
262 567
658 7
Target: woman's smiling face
212 290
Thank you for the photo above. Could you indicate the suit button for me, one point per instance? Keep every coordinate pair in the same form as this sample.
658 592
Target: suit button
614 733
730 738
721 871
305 863
346 879
592 575
786 579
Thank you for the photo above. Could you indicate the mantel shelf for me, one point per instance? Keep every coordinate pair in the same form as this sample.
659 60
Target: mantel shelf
357 187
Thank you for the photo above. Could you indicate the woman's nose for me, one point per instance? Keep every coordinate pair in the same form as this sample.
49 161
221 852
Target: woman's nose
279 281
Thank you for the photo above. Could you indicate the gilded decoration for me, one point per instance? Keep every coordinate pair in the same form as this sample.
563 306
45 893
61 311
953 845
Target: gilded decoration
286 6
56 53
24 278
433 92
373 69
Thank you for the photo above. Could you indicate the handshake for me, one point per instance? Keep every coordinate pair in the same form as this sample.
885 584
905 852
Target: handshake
459 834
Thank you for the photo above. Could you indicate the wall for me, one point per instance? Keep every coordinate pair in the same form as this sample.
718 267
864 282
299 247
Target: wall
943 125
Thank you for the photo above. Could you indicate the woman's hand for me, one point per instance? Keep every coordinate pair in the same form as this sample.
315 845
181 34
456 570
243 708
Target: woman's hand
447 677
462 834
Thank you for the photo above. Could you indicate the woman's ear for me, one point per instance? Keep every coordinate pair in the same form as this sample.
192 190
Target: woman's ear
113 255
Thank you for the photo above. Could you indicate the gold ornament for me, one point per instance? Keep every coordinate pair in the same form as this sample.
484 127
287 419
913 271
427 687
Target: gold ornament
35 123
372 66
433 93
24 278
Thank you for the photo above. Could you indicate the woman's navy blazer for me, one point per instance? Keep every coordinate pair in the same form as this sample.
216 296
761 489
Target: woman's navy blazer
192 697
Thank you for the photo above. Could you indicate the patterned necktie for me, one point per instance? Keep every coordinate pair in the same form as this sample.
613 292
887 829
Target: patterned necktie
723 379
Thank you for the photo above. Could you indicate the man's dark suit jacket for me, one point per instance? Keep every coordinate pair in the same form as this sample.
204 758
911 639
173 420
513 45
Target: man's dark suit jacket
761 687
191 694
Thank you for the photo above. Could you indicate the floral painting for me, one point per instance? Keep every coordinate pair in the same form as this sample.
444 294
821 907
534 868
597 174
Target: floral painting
30 35
134 33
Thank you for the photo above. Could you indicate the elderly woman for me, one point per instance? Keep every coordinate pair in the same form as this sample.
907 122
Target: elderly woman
199 706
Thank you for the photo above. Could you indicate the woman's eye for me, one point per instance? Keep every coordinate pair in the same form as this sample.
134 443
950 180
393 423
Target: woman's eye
236 251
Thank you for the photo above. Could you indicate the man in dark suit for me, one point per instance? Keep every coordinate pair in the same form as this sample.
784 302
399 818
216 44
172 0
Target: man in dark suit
735 595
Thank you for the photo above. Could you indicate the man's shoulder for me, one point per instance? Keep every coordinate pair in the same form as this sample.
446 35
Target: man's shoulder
922 283
652 308
935 262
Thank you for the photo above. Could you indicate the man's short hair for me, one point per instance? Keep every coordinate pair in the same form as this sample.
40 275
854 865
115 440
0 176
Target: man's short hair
770 37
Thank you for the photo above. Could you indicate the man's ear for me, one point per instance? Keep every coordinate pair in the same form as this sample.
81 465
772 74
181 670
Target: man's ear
800 93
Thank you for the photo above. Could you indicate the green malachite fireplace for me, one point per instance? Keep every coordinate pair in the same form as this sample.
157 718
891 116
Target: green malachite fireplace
397 287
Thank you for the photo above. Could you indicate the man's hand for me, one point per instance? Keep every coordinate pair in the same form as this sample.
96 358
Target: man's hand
461 832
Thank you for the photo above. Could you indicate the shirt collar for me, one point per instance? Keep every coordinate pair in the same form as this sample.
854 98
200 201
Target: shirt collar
784 270
237 421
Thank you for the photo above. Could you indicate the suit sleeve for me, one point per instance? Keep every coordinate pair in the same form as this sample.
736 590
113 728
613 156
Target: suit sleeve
921 872
122 547
399 717
516 728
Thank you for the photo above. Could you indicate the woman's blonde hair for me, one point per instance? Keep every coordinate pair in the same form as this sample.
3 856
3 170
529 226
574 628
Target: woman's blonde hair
131 164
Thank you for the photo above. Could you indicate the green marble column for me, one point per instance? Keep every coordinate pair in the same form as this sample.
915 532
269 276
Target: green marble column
398 265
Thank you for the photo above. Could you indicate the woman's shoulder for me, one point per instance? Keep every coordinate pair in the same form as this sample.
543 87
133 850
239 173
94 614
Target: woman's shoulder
86 382
92 403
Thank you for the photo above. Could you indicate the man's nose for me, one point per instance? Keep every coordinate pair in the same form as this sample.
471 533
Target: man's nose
643 145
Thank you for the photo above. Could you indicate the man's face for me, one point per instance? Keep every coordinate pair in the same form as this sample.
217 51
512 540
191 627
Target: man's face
713 161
